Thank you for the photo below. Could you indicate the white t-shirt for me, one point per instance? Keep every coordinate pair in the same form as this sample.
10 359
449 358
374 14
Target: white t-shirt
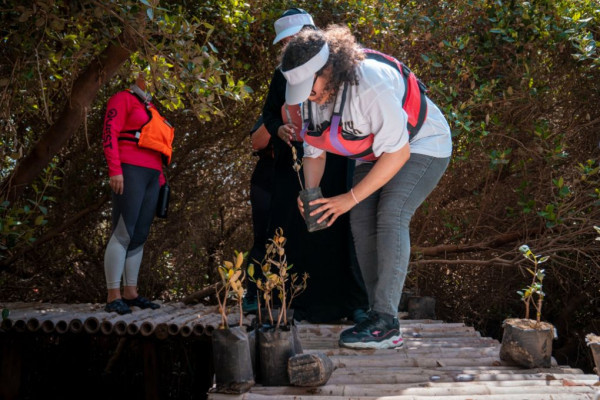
375 106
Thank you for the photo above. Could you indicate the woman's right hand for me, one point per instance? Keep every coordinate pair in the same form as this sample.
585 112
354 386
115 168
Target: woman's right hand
116 184
286 133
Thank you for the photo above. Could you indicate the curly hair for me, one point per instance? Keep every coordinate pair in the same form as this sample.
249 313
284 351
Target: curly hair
344 54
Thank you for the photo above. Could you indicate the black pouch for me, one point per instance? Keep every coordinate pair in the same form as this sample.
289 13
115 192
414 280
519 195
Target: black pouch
162 208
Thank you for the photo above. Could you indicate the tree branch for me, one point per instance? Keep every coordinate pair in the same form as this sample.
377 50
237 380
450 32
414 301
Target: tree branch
84 91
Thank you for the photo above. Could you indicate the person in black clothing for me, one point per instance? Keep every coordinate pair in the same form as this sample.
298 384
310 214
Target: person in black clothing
335 288
261 186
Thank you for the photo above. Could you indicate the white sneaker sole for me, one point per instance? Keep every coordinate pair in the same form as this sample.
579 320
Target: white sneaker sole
391 343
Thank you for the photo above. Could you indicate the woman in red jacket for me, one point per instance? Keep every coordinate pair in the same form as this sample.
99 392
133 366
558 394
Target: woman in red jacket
135 178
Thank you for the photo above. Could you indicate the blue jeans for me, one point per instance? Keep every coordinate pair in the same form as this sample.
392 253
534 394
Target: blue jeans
380 227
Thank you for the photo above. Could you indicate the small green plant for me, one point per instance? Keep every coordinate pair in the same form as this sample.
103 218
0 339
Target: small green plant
232 276
287 285
535 288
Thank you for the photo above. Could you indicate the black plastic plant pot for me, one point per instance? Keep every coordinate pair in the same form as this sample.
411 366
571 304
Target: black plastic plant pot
232 360
527 345
308 195
276 347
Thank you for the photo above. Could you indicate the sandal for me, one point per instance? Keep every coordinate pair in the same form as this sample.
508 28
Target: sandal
118 306
142 303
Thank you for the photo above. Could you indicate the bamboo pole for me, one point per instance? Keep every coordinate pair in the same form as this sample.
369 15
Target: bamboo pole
75 325
91 324
186 330
205 325
147 328
38 312
118 323
182 319
135 320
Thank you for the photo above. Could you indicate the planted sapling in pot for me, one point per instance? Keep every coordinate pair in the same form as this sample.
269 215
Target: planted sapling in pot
307 195
277 336
528 342
231 347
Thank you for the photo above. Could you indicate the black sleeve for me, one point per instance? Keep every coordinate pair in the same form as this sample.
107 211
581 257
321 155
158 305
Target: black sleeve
275 100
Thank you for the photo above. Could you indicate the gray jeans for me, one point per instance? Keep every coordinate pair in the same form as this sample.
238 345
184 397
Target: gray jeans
380 227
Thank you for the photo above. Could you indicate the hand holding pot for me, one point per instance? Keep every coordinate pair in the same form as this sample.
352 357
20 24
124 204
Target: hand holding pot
333 207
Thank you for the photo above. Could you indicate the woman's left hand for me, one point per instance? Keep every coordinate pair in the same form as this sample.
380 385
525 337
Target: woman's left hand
333 207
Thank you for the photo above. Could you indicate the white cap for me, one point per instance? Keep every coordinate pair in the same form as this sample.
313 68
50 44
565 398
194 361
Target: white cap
290 25
300 79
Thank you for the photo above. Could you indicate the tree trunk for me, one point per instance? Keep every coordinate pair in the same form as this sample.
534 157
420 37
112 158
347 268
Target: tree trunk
85 88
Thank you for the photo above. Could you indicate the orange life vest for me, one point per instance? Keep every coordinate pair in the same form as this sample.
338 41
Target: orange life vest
156 134
334 140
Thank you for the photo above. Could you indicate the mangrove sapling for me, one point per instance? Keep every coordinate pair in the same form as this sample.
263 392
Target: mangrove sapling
297 166
232 358
535 287
232 276
280 280
524 341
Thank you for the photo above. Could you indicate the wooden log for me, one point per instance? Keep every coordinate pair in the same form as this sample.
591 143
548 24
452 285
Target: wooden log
408 342
309 369
341 362
463 351
382 376
255 396
202 293
431 389
332 330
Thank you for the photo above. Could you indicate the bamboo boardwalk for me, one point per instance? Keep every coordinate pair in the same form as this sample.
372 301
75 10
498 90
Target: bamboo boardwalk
438 360
172 319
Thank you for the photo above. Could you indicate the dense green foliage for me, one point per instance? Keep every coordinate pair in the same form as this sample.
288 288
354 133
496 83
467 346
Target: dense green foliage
518 81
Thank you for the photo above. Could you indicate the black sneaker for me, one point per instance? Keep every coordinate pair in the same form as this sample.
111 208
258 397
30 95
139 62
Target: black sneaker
373 333
117 306
142 303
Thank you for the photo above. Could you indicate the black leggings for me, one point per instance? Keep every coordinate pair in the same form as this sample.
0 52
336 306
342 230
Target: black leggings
132 214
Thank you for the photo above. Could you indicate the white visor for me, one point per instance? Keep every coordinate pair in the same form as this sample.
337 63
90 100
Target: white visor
290 25
300 79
